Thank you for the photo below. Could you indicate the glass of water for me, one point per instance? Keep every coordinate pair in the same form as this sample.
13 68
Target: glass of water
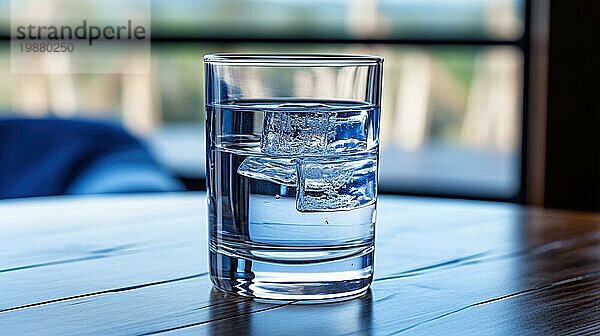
292 154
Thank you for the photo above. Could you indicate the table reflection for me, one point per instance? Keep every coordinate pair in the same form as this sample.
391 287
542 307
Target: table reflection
255 318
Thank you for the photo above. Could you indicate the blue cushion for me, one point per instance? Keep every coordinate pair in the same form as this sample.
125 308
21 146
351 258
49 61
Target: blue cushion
43 157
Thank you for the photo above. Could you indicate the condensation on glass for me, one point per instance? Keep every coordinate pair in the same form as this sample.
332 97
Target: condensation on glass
292 159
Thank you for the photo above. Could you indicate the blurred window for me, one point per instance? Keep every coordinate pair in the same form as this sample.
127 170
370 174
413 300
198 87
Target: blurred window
453 82
382 19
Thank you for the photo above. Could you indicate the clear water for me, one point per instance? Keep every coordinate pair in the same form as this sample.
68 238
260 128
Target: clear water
292 189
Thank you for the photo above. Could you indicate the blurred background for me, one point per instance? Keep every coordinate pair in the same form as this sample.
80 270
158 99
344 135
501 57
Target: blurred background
457 100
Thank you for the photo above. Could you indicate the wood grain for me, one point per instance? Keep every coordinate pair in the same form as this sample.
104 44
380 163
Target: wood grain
136 265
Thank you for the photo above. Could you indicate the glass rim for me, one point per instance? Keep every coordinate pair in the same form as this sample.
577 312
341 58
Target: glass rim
248 59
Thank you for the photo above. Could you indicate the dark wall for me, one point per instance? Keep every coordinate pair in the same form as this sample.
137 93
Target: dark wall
573 120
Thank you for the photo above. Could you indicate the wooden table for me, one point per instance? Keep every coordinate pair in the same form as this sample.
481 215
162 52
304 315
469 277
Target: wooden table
136 265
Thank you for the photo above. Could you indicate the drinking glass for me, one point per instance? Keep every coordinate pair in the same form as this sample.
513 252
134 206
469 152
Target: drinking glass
292 151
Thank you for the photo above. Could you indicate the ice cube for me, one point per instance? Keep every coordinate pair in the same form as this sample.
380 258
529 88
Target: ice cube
294 133
280 171
339 185
313 132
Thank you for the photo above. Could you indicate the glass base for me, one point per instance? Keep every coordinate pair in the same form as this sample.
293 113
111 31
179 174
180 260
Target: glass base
273 280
